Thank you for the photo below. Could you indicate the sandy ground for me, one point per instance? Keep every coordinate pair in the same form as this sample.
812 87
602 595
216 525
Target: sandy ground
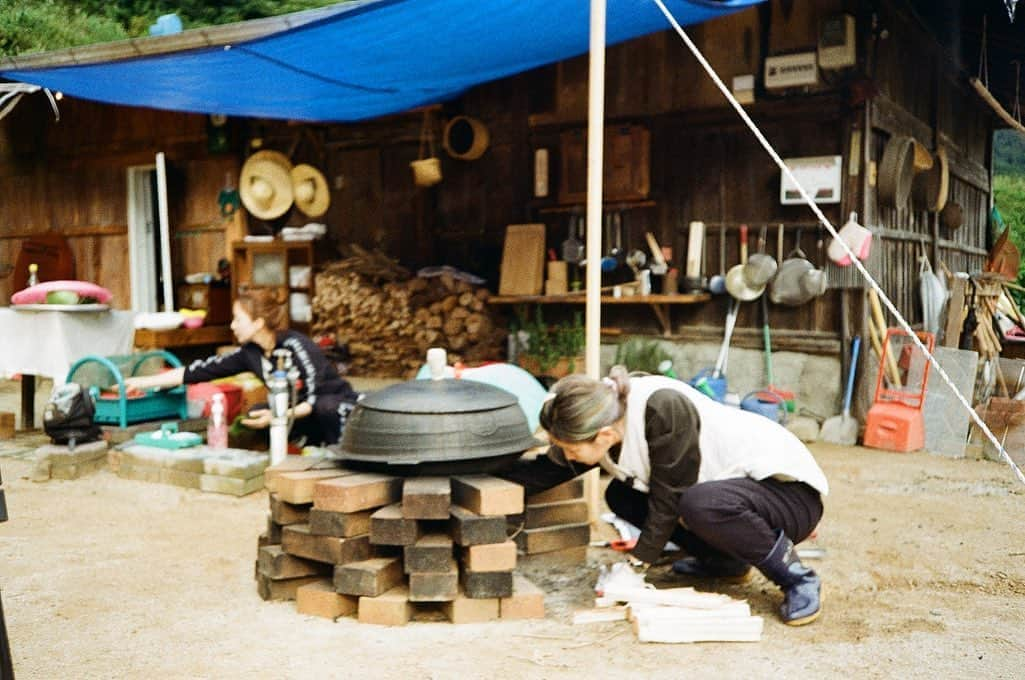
108 578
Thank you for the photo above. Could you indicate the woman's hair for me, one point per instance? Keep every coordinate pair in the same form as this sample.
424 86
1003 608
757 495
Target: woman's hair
582 406
265 303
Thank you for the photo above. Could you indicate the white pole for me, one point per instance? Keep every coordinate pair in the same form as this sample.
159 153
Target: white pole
165 232
595 151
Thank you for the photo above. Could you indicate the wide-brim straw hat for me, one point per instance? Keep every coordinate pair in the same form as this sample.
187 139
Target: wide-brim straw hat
310 190
265 184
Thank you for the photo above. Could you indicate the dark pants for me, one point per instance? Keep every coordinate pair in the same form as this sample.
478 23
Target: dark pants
325 424
739 518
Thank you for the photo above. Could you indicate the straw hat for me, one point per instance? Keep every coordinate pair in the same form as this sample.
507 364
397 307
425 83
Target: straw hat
265 186
310 189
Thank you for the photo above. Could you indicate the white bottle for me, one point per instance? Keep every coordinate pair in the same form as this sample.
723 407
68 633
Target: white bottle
217 428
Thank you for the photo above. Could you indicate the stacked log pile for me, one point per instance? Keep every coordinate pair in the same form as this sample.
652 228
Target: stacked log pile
384 548
389 319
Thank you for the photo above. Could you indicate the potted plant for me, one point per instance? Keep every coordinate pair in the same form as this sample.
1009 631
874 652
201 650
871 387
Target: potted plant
553 350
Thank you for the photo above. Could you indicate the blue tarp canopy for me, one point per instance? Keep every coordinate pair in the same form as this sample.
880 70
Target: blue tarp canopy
369 59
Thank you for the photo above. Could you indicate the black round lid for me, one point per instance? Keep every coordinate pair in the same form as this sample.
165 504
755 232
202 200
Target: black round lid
439 396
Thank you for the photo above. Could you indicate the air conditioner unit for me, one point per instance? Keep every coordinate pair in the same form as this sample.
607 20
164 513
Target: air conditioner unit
837 43
791 70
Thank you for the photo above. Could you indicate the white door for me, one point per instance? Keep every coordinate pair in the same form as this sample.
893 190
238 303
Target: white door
144 263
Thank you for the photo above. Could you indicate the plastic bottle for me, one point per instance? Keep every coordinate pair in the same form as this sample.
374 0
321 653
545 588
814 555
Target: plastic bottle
33 278
217 428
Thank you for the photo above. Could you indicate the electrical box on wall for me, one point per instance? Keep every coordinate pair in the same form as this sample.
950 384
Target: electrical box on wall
791 70
837 42
820 176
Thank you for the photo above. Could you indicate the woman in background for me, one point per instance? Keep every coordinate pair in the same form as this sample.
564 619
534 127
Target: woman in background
324 398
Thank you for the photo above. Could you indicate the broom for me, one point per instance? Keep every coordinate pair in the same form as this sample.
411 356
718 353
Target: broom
843 429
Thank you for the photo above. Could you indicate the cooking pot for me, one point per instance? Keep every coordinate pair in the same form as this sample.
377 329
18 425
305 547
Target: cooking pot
735 282
814 282
760 268
786 287
436 427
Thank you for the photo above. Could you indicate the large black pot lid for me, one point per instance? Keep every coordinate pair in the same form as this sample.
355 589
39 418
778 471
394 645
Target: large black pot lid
439 396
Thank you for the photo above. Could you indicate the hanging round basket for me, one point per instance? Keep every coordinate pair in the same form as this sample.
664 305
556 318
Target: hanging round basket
465 138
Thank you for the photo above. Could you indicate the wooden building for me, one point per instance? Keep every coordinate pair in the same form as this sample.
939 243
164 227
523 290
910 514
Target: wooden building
74 176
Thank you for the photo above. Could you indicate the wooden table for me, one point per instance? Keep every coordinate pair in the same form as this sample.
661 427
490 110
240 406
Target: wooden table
659 303
146 338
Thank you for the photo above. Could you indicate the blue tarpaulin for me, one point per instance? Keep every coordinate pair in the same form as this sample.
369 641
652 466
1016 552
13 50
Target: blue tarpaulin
370 59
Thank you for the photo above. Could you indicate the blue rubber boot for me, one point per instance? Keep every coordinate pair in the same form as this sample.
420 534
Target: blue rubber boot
801 586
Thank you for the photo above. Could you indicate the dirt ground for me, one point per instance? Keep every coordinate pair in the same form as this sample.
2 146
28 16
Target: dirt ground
102 577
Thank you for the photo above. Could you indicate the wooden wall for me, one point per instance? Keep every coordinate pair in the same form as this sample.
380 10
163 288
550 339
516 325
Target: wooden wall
705 165
70 177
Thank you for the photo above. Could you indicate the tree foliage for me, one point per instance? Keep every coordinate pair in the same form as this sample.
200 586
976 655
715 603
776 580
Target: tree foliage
41 25
1009 153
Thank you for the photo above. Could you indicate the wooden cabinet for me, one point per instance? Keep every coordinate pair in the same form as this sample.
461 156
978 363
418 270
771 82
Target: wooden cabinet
286 266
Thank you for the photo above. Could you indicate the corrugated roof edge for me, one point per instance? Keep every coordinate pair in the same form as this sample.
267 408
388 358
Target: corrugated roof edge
195 38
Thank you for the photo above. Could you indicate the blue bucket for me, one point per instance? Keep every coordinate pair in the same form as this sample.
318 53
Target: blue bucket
709 384
765 403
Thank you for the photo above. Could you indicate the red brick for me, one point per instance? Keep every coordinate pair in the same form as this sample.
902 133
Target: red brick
297 540
490 557
320 599
486 495
360 491
526 602
391 609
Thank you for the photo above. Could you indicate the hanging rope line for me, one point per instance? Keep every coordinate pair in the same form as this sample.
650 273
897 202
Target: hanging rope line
1016 112
983 60
832 230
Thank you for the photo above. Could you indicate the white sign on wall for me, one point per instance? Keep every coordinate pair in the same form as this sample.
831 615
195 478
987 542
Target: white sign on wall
819 175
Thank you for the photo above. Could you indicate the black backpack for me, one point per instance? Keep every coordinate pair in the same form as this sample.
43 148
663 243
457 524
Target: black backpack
68 417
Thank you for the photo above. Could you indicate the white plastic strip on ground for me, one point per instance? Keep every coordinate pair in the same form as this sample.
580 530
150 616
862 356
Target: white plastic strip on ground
832 230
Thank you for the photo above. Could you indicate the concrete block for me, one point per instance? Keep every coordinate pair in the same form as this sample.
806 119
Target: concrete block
571 490
288 513
485 584
426 497
469 610
61 462
297 487
369 578
431 552
526 602
283 589
435 586
235 463
141 473
320 599
490 557
532 541
389 527
73 471
359 491
469 528
184 478
297 540
343 524
540 515
231 485
391 609
276 564
487 495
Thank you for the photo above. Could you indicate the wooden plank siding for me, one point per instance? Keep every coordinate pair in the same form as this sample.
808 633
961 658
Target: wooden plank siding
704 165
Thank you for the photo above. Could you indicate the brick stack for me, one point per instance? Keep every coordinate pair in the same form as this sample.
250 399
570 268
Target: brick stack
555 522
342 542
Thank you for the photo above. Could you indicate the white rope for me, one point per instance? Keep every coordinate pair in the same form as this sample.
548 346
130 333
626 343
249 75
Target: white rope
832 230
10 95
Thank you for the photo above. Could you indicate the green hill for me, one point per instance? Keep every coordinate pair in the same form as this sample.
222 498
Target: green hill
1008 153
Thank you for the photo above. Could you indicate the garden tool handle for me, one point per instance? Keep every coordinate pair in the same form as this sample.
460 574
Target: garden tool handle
855 350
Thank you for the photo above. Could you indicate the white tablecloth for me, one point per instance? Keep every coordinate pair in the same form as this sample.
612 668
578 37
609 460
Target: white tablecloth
46 343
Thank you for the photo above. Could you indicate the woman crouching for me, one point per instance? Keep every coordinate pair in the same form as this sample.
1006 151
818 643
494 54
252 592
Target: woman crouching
732 488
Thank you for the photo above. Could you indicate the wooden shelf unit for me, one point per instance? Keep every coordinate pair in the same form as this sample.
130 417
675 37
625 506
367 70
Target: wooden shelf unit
659 303
268 265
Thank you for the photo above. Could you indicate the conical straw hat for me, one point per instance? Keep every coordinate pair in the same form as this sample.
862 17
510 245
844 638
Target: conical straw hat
265 185
310 190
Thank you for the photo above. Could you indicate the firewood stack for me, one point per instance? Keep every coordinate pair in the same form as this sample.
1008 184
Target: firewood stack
384 548
389 319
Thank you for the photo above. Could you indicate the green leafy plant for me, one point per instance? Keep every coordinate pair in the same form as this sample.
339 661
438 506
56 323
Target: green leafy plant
549 344
641 354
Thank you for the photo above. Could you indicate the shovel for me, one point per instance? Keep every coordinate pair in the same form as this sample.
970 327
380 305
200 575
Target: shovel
843 429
